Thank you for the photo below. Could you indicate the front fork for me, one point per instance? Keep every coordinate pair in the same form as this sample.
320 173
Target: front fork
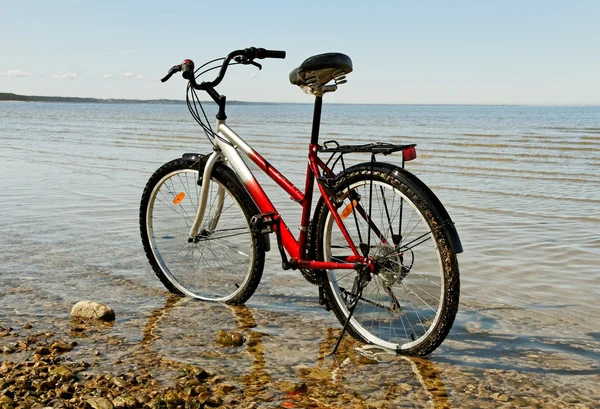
208 167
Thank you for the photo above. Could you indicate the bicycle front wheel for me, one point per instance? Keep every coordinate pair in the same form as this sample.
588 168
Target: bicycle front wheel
224 262
411 301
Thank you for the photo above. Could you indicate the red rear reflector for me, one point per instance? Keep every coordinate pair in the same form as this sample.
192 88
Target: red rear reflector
409 154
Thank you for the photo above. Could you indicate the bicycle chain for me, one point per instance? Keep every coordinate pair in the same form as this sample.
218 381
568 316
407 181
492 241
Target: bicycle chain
370 301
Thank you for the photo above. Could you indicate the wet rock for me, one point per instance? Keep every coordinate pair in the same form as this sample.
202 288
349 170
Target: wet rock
43 351
187 392
500 397
203 397
406 387
195 372
7 349
213 401
27 326
92 310
143 399
124 402
293 388
100 403
317 374
226 388
119 382
231 401
199 389
66 391
61 347
63 373
229 338
21 345
5 367
156 403
172 398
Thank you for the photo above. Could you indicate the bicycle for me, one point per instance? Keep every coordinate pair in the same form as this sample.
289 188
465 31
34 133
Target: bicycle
380 246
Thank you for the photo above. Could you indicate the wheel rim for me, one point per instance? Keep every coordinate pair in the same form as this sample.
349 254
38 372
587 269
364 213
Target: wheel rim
218 265
406 319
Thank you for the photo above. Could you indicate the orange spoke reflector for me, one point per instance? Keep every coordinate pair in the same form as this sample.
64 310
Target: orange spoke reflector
348 209
178 198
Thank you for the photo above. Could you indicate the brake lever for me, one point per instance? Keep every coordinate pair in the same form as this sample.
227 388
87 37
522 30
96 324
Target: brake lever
173 70
246 61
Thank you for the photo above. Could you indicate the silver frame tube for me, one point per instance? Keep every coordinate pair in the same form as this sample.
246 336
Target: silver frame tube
227 145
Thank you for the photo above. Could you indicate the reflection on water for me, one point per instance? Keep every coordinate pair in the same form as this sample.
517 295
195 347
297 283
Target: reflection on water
285 359
316 379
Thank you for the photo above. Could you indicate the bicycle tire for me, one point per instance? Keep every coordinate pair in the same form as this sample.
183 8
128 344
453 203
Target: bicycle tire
226 260
401 323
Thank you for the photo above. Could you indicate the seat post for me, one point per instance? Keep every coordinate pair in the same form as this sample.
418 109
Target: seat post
314 138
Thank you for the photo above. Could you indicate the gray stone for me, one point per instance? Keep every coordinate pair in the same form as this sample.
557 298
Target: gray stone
92 310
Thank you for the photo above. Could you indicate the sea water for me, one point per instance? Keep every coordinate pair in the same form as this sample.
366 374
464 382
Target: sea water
522 184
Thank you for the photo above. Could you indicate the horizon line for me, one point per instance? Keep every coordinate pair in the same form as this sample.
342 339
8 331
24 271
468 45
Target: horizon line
178 101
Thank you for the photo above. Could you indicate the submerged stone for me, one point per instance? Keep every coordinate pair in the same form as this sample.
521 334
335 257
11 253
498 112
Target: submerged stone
229 338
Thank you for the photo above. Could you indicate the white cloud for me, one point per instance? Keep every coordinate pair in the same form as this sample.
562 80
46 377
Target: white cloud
66 76
136 76
15 73
107 76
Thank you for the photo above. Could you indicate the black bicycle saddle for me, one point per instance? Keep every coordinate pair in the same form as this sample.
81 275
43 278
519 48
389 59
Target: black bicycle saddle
321 69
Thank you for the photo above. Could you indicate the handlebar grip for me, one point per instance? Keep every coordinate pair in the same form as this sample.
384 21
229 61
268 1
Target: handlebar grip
166 77
187 68
262 53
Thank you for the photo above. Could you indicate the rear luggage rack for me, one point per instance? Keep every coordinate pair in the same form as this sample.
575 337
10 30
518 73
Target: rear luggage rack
375 148
409 152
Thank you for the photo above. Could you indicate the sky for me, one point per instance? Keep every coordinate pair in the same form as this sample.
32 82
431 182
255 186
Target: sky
404 52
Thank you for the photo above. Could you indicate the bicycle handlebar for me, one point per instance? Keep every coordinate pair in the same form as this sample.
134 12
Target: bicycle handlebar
262 53
245 56
187 69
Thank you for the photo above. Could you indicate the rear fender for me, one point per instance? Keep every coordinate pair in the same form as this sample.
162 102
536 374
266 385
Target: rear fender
430 199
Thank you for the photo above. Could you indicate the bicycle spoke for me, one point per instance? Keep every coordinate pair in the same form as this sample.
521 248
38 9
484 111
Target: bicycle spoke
221 263
403 298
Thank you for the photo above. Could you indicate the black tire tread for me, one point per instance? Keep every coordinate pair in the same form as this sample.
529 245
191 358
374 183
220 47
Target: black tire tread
449 259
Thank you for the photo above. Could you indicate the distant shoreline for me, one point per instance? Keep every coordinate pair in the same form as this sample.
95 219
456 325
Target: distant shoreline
8 96
11 97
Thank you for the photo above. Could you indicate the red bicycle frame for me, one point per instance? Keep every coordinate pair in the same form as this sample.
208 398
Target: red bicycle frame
230 145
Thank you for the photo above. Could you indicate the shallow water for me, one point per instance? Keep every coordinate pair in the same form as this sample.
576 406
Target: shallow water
521 183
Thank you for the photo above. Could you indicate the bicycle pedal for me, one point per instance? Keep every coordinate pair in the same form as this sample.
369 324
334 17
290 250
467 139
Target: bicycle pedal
263 223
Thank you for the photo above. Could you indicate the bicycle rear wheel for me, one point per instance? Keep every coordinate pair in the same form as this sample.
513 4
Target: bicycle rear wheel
225 261
412 299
